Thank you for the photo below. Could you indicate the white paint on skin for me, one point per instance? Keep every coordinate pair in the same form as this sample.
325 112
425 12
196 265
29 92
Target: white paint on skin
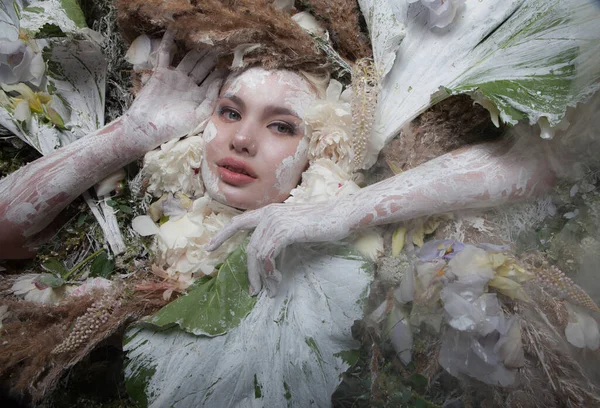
210 132
211 183
287 172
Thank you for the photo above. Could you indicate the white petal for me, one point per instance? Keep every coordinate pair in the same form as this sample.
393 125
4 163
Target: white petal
239 52
37 69
510 346
144 226
22 111
110 183
310 24
139 50
369 244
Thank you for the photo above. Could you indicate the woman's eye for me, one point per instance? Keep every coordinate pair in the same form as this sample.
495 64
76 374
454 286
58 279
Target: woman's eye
229 114
283 128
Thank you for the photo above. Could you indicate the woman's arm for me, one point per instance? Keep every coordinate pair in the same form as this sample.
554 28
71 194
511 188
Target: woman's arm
170 105
478 176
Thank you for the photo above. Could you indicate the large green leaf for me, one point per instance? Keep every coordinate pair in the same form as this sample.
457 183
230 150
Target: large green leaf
531 58
289 351
212 306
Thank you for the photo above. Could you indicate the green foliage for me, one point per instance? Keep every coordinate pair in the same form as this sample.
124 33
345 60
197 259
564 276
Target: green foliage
102 266
212 306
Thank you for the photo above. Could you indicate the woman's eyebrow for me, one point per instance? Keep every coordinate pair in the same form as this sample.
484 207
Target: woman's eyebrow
235 99
279 110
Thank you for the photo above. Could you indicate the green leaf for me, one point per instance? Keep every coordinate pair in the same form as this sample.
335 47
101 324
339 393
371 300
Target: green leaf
531 59
125 209
49 30
419 382
102 266
212 306
74 12
48 280
81 219
55 266
111 203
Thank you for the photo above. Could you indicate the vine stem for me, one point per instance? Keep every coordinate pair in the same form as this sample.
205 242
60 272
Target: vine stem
83 262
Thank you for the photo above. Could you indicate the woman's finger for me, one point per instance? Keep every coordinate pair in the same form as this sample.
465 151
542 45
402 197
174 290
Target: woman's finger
190 60
204 66
207 88
164 50
254 275
245 221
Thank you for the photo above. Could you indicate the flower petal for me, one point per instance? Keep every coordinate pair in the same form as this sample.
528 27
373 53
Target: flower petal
22 111
139 50
144 226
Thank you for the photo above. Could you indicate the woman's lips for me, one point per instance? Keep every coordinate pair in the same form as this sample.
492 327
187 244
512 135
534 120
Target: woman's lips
235 172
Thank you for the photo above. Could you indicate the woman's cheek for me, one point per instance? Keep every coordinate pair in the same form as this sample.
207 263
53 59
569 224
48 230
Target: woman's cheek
291 167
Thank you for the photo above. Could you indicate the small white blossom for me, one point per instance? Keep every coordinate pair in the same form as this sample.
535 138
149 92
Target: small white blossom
175 167
180 242
322 181
29 288
329 129
142 52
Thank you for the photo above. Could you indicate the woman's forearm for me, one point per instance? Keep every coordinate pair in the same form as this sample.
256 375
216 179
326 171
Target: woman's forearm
34 195
479 176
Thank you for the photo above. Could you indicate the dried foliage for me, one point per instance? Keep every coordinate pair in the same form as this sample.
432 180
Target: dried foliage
365 92
29 370
227 24
342 19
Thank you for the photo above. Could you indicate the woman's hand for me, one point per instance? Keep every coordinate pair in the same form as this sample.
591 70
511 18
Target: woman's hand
174 101
277 226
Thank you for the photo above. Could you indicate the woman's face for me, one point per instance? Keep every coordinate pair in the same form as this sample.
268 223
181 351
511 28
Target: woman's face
256 151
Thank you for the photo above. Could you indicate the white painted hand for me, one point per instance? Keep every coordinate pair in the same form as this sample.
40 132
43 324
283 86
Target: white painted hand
277 226
175 100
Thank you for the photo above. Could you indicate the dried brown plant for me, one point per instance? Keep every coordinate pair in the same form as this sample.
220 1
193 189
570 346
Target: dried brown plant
342 19
227 24
28 368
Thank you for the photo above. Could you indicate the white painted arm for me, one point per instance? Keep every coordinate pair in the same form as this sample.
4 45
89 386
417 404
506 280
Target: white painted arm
170 105
478 176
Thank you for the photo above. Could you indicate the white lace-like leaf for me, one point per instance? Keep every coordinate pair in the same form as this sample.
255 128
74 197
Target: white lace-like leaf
531 59
290 349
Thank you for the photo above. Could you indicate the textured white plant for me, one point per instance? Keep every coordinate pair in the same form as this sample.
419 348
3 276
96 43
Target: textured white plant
175 167
329 128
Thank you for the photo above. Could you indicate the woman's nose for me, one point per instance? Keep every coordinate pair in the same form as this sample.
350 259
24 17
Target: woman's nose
242 143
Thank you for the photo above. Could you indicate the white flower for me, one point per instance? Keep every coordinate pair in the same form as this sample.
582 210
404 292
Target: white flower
180 242
20 61
142 52
322 181
369 243
329 129
441 12
471 261
29 288
175 167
